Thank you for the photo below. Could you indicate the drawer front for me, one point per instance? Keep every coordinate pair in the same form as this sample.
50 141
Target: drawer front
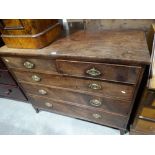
5 78
90 101
110 72
41 65
112 90
144 126
11 92
78 112
147 113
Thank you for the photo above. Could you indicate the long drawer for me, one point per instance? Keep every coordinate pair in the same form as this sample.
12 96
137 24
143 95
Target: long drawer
102 71
78 112
30 64
6 78
91 101
100 88
11 92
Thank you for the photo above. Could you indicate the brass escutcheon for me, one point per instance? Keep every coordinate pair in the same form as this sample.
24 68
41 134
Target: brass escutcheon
36 78
95 86
42 91
50 105
97 116
93 72
95 102
28 64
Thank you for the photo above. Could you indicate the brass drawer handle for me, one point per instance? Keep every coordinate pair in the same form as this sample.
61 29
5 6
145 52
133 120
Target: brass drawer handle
36 78
95 102
50 105
97 116
28 65
93 72
95 86
42 91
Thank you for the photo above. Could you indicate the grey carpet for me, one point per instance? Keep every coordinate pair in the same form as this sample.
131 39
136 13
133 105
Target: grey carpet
18 118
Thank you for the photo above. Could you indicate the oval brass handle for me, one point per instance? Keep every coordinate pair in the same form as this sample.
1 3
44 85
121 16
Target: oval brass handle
42 91
36 78
95 86
97 116
50 105
28 65
93 72
95 102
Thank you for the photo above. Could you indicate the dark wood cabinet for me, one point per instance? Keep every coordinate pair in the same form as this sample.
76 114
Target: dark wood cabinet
12 92
5 78
8 86
93 76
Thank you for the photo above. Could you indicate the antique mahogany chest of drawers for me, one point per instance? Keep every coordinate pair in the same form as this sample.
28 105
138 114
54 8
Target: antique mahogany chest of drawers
92 76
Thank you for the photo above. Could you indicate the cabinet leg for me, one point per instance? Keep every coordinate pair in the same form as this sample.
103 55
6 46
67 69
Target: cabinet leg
37 110
122 132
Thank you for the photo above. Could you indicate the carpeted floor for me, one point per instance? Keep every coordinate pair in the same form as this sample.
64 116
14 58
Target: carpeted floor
18 118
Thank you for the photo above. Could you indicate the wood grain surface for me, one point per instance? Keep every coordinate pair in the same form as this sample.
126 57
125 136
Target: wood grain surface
111 104
40 65
108 89
124 47
78 112
110 72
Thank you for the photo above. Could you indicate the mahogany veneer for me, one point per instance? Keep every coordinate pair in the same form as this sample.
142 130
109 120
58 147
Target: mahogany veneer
93 76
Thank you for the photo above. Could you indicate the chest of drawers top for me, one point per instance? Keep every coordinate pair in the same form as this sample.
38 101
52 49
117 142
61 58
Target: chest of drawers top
123 47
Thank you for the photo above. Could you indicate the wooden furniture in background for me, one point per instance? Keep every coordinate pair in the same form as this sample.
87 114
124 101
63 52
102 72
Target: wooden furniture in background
118 24
29 33
8 86
86 75
146 25
144 122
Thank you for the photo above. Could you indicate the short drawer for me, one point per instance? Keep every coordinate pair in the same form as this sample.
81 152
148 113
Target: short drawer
100 88
85 100
79 112
12 92
41 65
6 78
103 71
